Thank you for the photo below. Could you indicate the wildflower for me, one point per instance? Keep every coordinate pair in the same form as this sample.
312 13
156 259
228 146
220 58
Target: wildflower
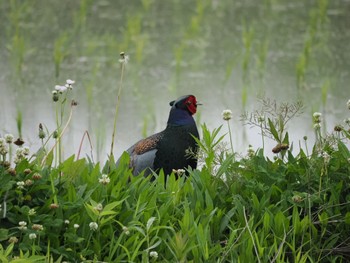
123 58
326 157
60 88
28 182
37 227
36 176
13 240
22 225
32 236
12 171
227 115
126 230
251 151
25 150
179 172
66 222
104 179
31 212
348 104
27 171
69 84
317 117
2 141
54 206
76 226
9 138
42 134
153 254
55 95
20 185
4 149
338 128
99 207
93 226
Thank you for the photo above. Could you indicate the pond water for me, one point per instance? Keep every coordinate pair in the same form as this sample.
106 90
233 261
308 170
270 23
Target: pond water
227 53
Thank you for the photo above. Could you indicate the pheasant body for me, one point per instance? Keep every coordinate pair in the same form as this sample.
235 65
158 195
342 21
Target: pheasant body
171 148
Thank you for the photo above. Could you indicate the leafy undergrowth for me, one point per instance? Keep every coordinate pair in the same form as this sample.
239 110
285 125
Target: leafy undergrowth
294 208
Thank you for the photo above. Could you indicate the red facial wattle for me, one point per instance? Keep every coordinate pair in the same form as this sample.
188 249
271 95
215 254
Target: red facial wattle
191 104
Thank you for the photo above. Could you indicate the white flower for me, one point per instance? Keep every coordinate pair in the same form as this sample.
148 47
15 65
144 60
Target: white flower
25 150
93 226
126 230
32 236
76 226
227 115
2 141
124 59
348 104
60 88
99 207
179 172
4 149
153 254
104 179
20 185
37 227
22 225
66 222
326 157
31 212
317 117
69 84
9 138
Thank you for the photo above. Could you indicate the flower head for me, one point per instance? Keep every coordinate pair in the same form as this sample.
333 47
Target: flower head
104 179
124 59
317 117
93 226
76 226
13 240
32 236
126 230
22 225
60 88
153 254
31 212
99 207
227 115
20 185
37 227
9 138
69 84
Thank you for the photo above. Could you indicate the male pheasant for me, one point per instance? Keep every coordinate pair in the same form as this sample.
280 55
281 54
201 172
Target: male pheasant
168 149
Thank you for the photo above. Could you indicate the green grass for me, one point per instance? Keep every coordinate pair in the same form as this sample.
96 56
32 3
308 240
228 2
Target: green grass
251 209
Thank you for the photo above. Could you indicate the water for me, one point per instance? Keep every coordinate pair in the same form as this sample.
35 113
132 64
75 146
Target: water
227 53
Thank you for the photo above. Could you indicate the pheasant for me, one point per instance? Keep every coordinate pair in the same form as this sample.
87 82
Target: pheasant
168 149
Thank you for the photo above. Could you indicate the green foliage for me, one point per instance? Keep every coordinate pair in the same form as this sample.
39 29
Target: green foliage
251 210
